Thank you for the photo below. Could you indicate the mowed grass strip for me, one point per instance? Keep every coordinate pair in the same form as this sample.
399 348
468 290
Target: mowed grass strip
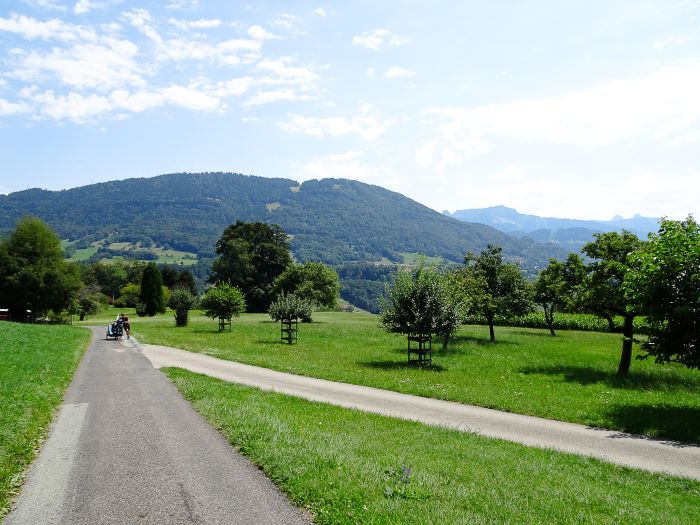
351 467
36 365
570 377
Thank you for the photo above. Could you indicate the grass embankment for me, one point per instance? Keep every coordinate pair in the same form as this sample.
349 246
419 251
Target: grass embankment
351 467
570 377
36 365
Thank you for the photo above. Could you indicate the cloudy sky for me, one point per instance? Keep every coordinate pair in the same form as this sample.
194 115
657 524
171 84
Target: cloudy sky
580 109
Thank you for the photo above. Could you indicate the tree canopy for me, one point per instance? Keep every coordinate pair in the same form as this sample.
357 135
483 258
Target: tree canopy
665 283
603 292
492 287
223 301
251 256
33 273
557 285
312 281
152 297
420 302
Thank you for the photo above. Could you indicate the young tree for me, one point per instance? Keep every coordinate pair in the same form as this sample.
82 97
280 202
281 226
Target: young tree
556 286
290 307
422 303
313 281
603 292
152 291
491 287
182 301
223 301
251 256
665 283
33 273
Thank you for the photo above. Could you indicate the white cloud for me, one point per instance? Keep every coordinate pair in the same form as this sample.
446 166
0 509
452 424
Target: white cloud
53 29
51 5
202 23
141 19
378 38
366 126
275 95
398 72
319 11
286 21
671 41
84 6
11 108
183 4
87 65
370 72
260 33
661 105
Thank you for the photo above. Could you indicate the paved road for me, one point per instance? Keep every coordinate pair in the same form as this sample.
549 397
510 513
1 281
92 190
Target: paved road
127 449
616 447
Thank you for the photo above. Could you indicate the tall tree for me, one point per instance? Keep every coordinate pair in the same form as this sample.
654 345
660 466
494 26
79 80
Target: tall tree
665 284
152 291
603 292
250 256
312 281
557 285
33 273
491 287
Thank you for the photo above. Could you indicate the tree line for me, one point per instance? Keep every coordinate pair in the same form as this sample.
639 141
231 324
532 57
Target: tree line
621 276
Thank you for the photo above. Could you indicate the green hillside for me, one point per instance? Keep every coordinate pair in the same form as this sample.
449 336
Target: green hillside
336 221
332 220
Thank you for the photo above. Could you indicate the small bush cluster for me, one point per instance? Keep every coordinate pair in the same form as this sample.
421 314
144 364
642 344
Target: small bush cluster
288 307
563 321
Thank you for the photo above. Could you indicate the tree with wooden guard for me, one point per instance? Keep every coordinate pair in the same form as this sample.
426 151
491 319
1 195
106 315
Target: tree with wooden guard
224 302
288 309
420 304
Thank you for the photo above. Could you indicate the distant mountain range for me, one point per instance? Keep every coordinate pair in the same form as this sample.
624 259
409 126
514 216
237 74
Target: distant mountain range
569 233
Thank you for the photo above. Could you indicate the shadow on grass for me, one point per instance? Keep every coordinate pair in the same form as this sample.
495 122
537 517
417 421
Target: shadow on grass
674 423
481 341
400 365
588 376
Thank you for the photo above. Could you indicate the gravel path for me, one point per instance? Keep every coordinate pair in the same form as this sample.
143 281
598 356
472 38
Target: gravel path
680 459
127 449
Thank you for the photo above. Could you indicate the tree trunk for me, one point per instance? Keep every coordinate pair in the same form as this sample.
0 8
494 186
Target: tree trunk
491 332
445 342
549 318
626 357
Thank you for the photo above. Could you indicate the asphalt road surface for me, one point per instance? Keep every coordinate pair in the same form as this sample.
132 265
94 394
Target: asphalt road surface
127 449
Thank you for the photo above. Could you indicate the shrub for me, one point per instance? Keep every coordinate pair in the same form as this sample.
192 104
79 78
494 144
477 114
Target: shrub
288 307
182 301
223 301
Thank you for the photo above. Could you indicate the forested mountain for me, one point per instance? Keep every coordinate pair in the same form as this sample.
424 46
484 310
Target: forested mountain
335 221
332 220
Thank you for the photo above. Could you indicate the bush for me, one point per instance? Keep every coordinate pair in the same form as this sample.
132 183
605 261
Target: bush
562 321
290 307
182 301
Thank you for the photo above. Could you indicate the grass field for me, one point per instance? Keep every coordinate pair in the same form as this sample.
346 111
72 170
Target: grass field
570 377
36 365
351 467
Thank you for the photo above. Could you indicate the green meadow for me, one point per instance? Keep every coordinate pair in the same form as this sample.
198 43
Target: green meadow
36 365
570 377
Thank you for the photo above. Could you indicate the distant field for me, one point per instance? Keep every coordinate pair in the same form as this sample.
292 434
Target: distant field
414 259
570 377
36 365
163 256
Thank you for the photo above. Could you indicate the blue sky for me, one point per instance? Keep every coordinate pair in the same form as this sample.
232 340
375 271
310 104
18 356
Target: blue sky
579 109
